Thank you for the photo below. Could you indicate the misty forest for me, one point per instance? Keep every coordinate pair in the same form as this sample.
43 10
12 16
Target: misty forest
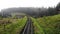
30 20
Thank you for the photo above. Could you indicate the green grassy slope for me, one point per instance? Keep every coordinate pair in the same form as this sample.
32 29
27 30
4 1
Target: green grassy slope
47 25
14 27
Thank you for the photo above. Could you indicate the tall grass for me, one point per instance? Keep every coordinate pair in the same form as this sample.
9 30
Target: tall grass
14 27
49 25
37 28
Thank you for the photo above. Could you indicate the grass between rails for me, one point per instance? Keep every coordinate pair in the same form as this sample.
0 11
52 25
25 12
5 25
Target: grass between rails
14 28
47 25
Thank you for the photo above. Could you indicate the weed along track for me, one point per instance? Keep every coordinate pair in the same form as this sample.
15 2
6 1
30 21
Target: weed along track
28 28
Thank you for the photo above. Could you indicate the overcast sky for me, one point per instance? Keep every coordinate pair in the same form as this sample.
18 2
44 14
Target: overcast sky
27 3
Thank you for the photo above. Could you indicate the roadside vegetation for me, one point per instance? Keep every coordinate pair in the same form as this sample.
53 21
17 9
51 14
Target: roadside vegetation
12 26
47 25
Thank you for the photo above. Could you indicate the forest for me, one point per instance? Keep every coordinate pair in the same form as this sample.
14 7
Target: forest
35 12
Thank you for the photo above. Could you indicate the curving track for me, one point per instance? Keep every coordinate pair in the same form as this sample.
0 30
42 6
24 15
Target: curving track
28 28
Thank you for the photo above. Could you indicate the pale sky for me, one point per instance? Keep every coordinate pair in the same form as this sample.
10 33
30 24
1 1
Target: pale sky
27 3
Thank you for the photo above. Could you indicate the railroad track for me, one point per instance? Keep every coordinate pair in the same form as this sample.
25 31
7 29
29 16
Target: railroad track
28 28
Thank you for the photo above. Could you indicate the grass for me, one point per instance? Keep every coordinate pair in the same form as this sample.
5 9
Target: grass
42 25
47 25
13 28
37 28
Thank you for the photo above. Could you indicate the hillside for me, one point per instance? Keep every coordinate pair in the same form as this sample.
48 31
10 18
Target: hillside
47 25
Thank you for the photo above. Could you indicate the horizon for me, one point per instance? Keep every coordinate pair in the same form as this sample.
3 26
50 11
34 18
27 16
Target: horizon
28 3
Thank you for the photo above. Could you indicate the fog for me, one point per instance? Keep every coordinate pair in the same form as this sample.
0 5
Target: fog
28 3
34 8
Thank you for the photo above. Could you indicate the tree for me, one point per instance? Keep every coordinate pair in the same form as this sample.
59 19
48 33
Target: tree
58 7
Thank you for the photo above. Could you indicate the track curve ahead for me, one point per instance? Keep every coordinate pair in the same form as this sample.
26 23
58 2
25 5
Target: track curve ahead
28 28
